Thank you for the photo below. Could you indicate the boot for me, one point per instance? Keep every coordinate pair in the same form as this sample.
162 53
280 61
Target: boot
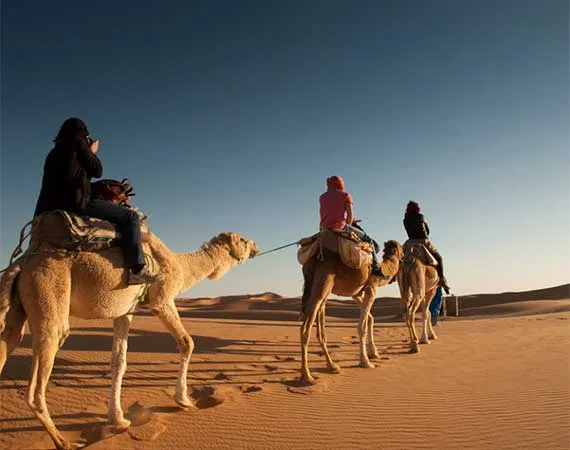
142 277
443 284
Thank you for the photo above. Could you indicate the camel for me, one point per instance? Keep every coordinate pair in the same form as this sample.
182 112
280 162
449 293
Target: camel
418 282
331 276
46 289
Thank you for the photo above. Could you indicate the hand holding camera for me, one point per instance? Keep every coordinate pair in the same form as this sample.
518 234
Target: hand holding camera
93 144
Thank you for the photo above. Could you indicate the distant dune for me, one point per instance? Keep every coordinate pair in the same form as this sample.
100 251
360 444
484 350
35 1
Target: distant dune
496 383
272 306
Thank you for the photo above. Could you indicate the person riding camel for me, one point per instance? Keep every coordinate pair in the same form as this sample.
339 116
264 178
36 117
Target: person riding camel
336 212
417 228
66 185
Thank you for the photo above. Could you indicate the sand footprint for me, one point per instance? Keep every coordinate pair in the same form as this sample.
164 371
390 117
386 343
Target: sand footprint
207 397
222 376
285 358
299 387
249 388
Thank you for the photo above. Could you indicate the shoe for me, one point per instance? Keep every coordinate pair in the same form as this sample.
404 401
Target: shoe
444 285
143 277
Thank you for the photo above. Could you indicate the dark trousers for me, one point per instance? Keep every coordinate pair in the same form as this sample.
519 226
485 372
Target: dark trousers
433 250
128 224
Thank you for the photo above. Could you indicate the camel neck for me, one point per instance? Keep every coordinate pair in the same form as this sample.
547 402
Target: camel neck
390 266
195 266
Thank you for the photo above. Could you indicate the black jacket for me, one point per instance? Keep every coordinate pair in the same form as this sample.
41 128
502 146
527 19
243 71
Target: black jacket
68 170
416 226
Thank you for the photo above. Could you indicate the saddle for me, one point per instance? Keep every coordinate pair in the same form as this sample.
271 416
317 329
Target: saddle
415 248
353 252
64 230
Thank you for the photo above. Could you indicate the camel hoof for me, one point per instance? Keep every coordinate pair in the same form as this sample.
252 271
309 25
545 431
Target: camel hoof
66 445
414 347
367 365
425 341
335 368
308 380
433 337
119 425
183 401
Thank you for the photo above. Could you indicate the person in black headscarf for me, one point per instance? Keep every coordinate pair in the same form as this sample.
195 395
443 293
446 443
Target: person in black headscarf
417 228
68 170
66 185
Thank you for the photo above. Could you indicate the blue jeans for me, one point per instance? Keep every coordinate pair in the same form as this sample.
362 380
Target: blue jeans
435 305
128 224
365 238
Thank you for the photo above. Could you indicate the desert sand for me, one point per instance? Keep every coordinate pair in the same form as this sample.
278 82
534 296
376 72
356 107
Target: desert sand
498 377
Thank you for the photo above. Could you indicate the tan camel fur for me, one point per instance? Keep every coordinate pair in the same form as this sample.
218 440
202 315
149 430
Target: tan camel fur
47 289
331 276
418 283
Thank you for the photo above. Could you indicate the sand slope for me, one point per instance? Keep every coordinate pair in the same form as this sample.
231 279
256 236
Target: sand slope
499 382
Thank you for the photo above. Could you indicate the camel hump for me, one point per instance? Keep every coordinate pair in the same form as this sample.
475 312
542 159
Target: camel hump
352 251
62 229
415 248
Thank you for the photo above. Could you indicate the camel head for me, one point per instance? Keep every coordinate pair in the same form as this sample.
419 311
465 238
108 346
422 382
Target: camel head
238 247
393 248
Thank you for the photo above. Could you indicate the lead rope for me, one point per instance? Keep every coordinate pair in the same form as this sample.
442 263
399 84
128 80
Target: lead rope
276 248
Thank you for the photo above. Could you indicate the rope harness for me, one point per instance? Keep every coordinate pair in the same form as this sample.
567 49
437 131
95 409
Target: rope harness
276 248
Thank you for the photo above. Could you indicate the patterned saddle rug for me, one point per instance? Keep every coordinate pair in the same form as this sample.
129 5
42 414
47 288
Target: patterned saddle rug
415 248
353 252
61 229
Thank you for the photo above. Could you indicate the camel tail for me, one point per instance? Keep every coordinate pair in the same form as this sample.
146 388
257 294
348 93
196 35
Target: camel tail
309 275
12 315
6 285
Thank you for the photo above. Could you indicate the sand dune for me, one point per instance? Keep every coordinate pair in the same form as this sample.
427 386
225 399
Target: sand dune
499 382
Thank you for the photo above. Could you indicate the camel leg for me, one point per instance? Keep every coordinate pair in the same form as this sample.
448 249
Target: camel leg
427 332
410 321
321 290
12 334
431 333
168 315
372 349
45 347
426 317
365 308
322 336
121 327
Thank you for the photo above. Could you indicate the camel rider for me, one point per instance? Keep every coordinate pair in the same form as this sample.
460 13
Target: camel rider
66 185
417 228
336 213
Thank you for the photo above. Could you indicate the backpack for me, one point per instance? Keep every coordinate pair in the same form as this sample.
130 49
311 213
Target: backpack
114 191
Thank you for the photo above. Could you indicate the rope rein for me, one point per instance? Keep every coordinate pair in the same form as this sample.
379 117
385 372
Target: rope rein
276 248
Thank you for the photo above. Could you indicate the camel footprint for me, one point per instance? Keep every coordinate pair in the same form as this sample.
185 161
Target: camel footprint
207 397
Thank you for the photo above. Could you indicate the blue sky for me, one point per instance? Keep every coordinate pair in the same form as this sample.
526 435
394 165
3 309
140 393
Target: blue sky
229 116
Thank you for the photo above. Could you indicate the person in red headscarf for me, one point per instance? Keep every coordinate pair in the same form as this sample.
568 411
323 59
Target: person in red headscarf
417 228
336 213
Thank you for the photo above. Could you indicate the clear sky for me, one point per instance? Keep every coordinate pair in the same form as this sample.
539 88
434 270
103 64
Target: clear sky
229 116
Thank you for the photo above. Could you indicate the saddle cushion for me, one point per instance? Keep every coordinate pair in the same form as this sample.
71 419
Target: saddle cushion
416 248
353 252
62 229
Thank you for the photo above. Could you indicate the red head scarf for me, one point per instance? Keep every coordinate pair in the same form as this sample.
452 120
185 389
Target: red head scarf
412 207
335 182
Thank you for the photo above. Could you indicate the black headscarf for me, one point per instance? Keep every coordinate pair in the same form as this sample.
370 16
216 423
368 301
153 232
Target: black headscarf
72 128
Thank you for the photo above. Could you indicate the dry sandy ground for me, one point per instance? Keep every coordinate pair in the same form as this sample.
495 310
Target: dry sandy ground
497 378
